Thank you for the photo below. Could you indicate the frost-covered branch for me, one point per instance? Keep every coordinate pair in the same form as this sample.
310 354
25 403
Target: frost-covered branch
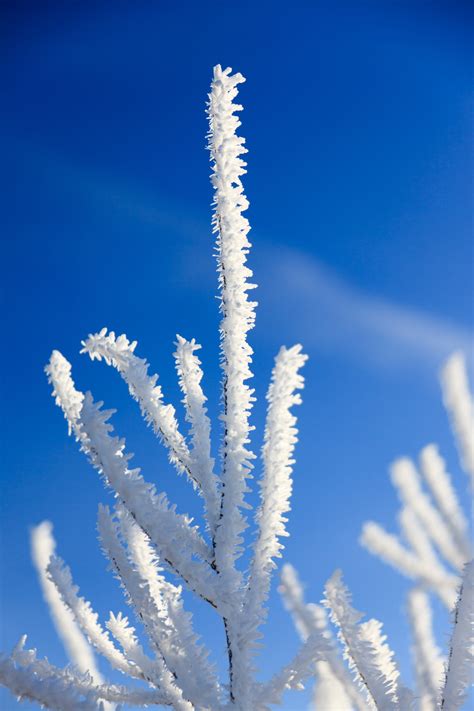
179 661
406 479
33 679
428 661
365 649
120 353
87 619
292 676
460 406
175 538
415 535
238 314
77 648
190 376
439 482
388 547
238 317
459 672
335 689
51 688
275 485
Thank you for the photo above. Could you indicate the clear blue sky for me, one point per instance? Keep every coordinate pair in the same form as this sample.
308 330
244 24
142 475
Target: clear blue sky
357 122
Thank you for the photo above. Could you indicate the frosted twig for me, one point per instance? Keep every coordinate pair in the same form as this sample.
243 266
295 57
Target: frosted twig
459 671
119 352
77 648
176 539
389 549
292 676
406 479
339 692
275 485
439 482
427 657
202 464
87 619
460 406
179 662
364 647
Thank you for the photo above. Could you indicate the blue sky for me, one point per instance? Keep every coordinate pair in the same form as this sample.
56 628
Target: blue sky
358 128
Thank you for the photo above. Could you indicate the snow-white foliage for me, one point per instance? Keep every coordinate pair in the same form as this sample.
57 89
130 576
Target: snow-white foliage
365 649
152 549
441 488
190 376
77 648
334 689
33 679
405 478
275 484
460 667
428 662
437 547
440 684
432 522
389 548
460 405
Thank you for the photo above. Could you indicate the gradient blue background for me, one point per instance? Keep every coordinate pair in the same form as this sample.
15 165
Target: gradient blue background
357 122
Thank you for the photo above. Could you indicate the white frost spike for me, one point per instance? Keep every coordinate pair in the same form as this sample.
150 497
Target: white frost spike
427 658
202 464
172 533
157 671
119 352
181 641
459 672
66 396
238 313
364 648
387 547
416 537
39 681
334 689
275 485
178 663
460 406
124 634
77 648
292 676
439 482
87 619
36 681
238 317
406 479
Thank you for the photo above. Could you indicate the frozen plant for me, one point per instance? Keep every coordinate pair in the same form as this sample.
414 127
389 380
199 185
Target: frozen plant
365 676
435 544
435 551
154 550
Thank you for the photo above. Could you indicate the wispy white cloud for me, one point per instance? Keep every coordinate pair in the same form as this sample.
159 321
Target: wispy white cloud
317 306
301 298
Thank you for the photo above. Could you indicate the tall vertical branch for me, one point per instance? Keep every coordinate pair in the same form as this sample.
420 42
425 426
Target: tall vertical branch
238 317
238 314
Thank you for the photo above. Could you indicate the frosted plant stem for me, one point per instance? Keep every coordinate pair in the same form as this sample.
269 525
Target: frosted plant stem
460 406
79 651
238 316
459 671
